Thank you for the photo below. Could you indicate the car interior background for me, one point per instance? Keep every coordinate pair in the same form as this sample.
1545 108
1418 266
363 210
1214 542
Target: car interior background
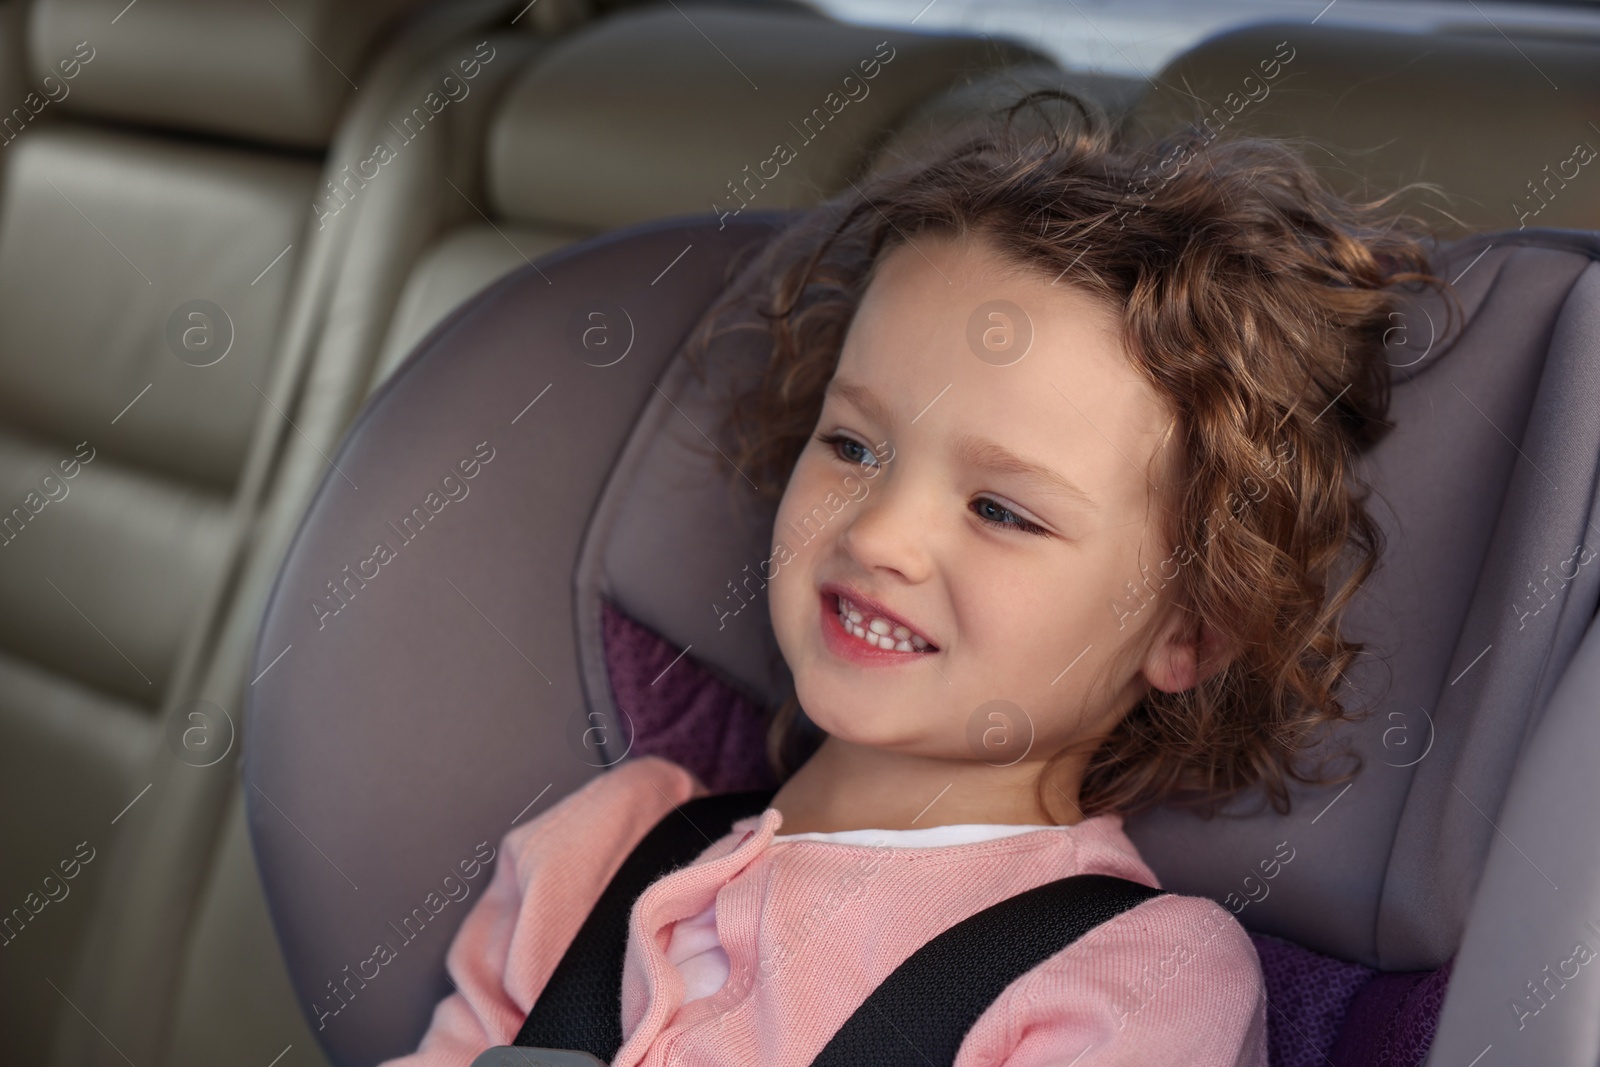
224 224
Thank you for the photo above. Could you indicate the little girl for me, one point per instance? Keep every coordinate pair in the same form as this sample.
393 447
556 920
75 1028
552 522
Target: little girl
1065 432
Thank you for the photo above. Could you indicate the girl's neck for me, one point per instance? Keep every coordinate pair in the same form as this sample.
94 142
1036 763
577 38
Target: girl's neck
845 786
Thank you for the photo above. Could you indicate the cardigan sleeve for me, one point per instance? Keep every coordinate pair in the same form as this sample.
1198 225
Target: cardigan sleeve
1175 980
552 869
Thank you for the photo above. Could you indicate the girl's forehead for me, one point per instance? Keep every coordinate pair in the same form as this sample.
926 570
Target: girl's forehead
954 339
966 295
956 318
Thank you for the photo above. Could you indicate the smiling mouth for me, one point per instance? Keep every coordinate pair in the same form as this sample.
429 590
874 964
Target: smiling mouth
878 631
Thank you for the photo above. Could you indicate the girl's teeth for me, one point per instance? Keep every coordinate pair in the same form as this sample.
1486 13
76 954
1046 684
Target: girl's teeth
880 632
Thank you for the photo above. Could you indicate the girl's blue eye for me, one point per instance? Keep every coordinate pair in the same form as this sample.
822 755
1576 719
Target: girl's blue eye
839 442
985 507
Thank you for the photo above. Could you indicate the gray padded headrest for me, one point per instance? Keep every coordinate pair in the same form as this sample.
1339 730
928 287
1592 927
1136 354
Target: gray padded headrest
1487 478
414 704
275 72
651 85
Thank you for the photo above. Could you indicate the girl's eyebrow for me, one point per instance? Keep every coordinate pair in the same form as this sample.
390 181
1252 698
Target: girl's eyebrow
986 455
861 398
971 449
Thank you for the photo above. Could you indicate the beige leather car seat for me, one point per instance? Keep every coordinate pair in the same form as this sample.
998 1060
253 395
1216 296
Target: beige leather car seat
158 270
1506 127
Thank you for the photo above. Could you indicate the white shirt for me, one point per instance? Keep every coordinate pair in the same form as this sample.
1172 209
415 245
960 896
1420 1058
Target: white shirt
696 951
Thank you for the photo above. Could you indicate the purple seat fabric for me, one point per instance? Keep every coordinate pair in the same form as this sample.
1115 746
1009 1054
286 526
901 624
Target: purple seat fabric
1392 1020
1322 1010
681 711
1308 995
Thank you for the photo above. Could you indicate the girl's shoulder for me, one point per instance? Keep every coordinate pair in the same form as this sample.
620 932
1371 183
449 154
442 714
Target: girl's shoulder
1182 928
1183 949
1170 926
1140 981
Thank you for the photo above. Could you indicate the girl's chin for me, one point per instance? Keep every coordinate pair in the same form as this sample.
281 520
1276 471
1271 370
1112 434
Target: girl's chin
861 739
850 715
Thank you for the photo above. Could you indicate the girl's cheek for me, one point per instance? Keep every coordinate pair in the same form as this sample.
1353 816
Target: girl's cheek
800 487
790 490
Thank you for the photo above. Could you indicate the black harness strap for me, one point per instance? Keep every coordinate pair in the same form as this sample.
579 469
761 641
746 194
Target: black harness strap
921 1013
579 1006
918 1016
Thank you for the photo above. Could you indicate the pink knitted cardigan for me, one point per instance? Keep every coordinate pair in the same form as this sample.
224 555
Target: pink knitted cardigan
812 927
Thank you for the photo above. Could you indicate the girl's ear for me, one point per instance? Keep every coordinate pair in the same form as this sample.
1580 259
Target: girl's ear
1173 663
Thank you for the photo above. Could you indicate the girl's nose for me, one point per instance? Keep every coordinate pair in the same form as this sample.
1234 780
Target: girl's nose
892 529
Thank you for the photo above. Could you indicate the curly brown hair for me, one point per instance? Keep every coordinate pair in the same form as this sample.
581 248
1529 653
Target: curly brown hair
1253 299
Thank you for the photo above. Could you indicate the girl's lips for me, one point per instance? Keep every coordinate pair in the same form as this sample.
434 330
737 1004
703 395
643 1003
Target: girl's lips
833 590
853 649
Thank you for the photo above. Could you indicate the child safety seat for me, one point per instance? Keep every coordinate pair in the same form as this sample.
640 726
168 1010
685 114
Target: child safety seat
414 703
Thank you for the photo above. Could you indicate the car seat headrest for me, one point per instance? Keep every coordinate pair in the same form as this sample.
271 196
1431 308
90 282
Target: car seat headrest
1483 488
277 73
666 495
568 142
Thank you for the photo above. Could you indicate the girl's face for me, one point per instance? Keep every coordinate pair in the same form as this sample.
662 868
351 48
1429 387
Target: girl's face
997 510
